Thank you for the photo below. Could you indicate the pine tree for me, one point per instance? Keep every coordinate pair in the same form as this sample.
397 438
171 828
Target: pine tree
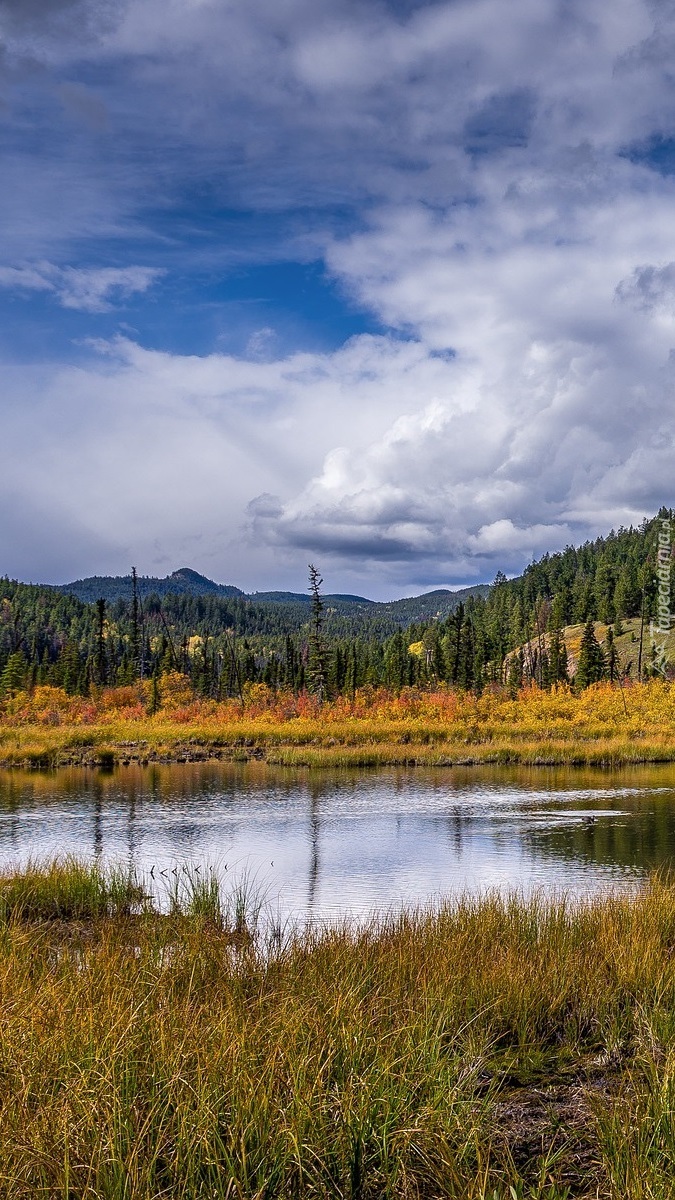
135 626
465 666
582 598
71 667
627 593
351 673
435 659
514 679
316 664
611 655
13 677
516 623
553 647
591 667
100 664
557 658
155 696
558 614
603 591
396 662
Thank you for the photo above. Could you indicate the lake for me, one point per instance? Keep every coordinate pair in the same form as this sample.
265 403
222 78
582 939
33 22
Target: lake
326 844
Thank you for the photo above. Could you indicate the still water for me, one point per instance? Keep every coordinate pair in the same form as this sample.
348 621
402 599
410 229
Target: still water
328 844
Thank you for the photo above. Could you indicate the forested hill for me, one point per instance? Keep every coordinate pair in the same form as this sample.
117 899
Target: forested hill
118 587
385 616
225 639
432 606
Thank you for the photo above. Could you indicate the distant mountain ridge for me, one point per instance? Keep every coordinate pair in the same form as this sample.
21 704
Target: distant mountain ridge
186 581
116 587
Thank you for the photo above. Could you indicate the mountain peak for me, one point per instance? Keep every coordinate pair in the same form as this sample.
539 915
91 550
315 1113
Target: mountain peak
187 575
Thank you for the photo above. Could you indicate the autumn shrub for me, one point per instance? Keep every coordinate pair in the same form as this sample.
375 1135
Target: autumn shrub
629 722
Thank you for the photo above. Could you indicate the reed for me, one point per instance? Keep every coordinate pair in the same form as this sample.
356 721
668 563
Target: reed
490 1049
69 890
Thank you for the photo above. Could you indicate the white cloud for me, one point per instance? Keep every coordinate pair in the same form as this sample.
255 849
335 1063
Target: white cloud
198 460
649 288
502 218
88 289
557 417
156 457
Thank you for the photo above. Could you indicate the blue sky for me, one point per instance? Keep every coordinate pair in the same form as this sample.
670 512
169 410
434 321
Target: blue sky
385 286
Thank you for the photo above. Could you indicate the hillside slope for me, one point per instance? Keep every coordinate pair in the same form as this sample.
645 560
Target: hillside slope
387 614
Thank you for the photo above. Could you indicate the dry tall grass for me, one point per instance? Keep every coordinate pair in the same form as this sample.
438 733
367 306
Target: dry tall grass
494 1049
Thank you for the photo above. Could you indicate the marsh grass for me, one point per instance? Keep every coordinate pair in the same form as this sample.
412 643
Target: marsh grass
68 889
44 749
496 1048
195 893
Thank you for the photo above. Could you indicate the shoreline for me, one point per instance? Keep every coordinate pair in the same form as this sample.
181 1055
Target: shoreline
95 751
600 726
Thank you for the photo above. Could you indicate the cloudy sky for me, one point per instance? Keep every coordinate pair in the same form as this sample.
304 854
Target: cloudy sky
386 285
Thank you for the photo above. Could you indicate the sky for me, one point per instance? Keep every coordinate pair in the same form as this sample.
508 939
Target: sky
383 285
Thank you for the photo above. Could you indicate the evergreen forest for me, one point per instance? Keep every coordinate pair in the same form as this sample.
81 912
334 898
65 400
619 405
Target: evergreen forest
509 633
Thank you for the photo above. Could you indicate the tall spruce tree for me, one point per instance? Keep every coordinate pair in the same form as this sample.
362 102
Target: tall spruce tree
316 663
135 626
13 677
611 656
557 658
100 663
591 667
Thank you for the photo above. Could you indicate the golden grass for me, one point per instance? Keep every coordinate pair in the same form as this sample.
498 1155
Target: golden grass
493 1049
604 724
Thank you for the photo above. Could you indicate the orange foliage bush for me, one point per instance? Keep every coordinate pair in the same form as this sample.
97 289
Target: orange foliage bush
175 691
636 711
49 706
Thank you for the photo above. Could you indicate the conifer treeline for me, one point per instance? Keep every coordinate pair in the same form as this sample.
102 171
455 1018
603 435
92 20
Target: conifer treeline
222 643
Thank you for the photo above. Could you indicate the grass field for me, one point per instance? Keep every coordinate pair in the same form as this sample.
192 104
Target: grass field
604 725
490 1050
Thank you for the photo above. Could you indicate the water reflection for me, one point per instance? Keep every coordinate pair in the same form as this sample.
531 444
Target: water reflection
314 810
327 843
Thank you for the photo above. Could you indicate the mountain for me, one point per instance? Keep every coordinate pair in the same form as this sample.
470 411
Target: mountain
198 585
301 598
185 581
430 606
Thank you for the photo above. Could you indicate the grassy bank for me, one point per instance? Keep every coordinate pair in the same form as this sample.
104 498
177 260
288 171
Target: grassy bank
603 725
492 1050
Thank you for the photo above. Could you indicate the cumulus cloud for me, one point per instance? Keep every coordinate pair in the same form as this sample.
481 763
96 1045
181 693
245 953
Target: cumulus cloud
472 484
649 287
89 289
491 186
199 459
164 452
